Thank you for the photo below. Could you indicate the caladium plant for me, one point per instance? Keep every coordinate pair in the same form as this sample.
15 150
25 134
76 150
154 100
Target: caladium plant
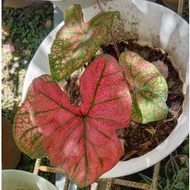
81 139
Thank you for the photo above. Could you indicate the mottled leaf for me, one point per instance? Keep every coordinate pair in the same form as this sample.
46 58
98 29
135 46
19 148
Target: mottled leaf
28 136
81 139
147 86
77 42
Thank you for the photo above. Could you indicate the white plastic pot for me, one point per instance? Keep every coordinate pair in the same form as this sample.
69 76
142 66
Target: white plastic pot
22 180
152 24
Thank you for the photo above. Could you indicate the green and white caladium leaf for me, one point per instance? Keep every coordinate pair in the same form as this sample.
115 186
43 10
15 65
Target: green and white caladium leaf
147 86
77 42
81 139
27 135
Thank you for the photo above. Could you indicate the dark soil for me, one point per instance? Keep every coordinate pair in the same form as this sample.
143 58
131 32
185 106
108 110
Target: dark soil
141 138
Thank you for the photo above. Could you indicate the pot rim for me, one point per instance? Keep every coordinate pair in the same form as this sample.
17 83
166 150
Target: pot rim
16 175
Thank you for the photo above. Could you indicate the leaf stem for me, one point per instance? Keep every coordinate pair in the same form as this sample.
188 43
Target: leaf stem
100 6
115 45
111 34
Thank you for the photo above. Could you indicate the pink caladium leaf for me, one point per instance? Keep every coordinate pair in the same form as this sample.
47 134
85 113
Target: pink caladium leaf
77 42
27 135
81 139
147 86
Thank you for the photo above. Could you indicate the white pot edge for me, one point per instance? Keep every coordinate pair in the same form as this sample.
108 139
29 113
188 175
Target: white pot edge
18 179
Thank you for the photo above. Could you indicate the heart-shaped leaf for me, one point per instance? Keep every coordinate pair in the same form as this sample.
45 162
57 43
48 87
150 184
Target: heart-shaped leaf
28 136
147 86
81 139
77 42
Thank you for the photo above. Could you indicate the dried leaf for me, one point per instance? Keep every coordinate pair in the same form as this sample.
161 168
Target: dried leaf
162 67
151 130
128 154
